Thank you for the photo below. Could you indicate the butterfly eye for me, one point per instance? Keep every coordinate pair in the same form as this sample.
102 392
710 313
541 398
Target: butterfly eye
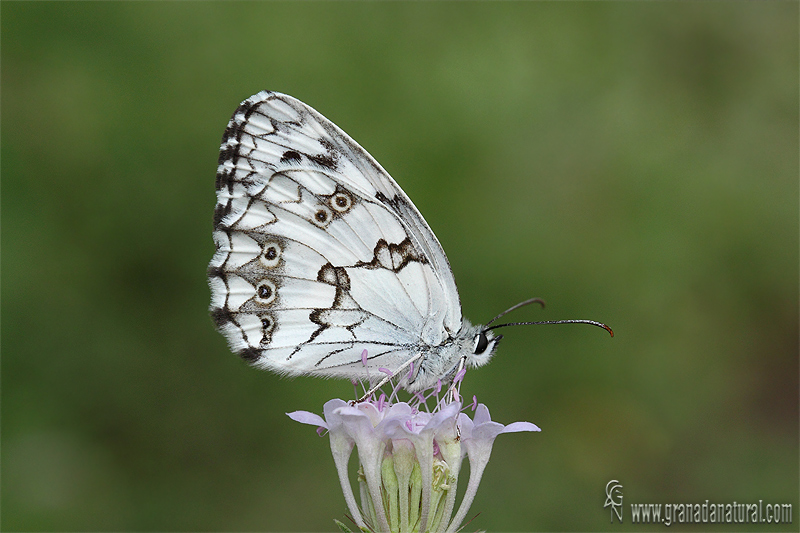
341 202
481 342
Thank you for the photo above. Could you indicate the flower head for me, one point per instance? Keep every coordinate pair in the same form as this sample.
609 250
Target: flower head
409 458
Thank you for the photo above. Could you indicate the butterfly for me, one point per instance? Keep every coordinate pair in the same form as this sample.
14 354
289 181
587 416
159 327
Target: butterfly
323 265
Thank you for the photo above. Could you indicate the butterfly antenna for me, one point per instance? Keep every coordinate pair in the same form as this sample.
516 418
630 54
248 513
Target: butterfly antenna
515 307
592 322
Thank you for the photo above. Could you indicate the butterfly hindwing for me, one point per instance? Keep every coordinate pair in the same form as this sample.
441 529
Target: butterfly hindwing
320 254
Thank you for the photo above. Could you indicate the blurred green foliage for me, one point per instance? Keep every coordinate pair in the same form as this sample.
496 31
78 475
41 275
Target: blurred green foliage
634 163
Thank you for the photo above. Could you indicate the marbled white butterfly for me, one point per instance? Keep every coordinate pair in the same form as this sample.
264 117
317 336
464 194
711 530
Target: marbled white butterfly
320 256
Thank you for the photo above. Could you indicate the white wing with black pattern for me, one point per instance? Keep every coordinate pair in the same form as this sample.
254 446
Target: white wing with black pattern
321 255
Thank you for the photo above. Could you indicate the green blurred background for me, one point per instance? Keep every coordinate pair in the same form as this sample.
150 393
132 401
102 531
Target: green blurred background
634 163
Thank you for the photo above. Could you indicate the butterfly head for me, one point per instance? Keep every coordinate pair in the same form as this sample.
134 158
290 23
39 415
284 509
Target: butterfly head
485 344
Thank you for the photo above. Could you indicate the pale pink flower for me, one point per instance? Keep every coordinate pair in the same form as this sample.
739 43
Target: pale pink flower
409 458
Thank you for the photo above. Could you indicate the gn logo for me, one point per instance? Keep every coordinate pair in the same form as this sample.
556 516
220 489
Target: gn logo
614 499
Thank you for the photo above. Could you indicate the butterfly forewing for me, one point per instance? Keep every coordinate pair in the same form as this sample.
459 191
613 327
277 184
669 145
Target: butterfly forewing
320 254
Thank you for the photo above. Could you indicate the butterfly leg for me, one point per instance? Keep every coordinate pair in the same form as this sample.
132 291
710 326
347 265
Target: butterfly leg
453 392
386 379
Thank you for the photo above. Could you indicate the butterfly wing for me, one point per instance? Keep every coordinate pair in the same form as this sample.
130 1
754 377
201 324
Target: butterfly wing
320 254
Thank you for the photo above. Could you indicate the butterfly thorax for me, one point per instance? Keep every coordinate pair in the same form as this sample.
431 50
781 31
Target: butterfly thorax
443 361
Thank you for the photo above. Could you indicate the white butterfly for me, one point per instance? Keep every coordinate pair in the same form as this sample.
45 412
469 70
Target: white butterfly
320 256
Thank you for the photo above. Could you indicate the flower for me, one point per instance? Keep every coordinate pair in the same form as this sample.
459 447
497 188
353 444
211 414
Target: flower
409 458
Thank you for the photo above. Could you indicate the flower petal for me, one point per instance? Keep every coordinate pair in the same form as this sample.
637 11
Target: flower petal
487 431
304 417
515 427
446 413
329 411
481 415
398 413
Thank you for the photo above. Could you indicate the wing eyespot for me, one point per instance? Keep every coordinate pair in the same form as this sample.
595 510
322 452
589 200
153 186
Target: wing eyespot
267 328
271 256
266 292
341 202
322 216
